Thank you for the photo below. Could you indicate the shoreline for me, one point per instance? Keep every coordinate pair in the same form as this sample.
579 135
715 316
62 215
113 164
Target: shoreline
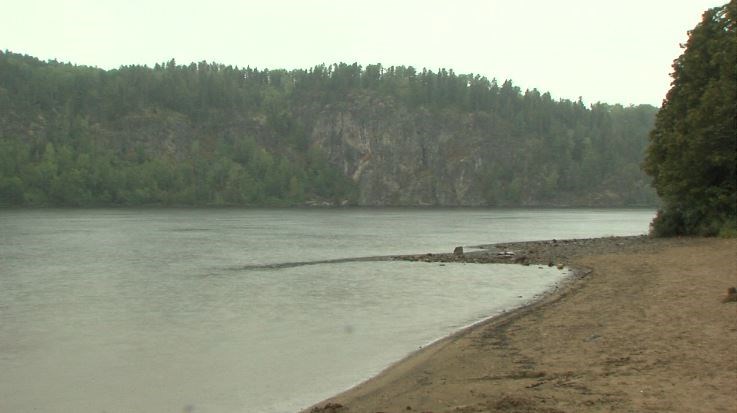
412 382
482 254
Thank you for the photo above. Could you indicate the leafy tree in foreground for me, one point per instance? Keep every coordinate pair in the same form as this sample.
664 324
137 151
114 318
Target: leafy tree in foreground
693 148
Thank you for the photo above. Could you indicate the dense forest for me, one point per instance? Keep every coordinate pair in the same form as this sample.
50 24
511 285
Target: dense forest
341 134
693 151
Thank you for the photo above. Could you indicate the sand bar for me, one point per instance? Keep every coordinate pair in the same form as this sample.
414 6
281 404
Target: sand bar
642 328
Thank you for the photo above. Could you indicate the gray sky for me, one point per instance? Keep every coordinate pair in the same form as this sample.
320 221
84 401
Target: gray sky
609 51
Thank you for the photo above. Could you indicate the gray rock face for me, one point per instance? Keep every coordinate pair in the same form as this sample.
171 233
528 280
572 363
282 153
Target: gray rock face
398 158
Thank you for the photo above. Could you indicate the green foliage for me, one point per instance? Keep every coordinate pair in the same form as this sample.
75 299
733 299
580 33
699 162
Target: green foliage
11 191
210 134
693 151
728 229
79 136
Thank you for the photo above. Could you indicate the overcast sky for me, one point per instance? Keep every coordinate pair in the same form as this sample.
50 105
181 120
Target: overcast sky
609 51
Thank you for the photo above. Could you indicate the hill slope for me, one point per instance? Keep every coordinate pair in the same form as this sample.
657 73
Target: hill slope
209 134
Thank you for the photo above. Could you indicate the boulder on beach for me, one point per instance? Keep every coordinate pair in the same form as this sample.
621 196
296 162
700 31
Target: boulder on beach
731 295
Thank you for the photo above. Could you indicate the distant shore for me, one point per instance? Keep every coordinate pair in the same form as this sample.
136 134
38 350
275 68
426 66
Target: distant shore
639 327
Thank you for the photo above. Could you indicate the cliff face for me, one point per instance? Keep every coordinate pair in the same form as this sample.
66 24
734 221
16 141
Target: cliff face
400 158
393 155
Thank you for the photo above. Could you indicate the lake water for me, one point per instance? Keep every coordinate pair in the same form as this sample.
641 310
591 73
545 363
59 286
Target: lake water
167 310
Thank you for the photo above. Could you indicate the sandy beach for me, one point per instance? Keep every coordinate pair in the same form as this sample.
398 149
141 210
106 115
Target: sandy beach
641 327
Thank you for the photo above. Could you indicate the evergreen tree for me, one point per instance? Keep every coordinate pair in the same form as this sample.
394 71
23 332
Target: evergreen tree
693 148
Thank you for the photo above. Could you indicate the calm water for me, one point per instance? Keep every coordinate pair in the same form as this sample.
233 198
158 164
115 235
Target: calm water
158 311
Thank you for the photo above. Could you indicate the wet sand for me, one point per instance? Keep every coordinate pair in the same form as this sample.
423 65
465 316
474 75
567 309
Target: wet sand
641 327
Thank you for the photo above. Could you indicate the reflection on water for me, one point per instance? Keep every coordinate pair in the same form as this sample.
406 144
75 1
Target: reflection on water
146 310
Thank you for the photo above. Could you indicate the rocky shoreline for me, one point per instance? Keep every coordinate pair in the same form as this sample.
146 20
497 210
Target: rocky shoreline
550 252
554 252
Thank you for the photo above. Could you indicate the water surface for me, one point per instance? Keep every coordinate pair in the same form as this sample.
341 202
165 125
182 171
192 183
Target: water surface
157 311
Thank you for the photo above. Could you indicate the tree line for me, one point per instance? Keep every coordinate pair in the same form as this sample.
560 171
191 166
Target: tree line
210 134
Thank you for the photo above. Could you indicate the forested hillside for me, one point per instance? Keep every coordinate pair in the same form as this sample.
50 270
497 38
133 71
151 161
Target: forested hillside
209 134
